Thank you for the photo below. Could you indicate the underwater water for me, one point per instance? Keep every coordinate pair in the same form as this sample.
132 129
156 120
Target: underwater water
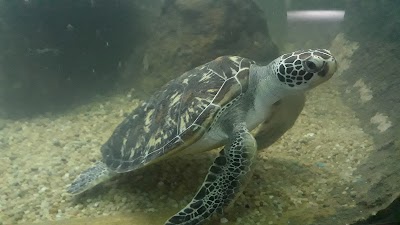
71 72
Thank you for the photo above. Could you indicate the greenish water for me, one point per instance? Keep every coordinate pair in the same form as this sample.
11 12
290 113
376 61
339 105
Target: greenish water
70 72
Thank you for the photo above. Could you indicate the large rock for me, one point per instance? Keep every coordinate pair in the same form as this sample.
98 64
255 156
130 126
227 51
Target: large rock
371 88
276 14
84 47
189 33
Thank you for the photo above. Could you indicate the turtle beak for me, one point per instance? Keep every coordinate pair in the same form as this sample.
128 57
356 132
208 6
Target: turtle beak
332 66
329 68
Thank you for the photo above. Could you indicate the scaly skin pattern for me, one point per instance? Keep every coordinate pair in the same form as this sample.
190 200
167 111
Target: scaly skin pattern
90 178
223 181
213 105
292 73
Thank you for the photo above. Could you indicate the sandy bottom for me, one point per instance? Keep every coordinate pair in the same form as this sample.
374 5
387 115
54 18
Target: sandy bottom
292 184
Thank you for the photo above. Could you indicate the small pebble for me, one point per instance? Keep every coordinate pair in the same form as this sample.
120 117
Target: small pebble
309 135
160 184
57 143
224 220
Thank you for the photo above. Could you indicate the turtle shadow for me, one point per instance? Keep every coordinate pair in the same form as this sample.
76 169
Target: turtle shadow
178 180
182 174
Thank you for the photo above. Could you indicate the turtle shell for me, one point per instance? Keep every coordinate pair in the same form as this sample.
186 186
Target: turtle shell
177 115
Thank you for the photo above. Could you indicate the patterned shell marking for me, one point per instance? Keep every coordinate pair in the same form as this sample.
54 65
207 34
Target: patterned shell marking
177 115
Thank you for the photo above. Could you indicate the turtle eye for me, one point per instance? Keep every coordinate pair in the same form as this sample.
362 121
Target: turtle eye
313 65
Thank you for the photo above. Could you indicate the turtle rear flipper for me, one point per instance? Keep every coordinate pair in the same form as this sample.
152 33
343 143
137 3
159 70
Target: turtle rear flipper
90 178
224 181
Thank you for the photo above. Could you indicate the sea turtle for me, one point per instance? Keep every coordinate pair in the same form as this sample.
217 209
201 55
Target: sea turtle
215 104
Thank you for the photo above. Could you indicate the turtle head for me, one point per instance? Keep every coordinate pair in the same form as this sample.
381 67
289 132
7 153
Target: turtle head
305 69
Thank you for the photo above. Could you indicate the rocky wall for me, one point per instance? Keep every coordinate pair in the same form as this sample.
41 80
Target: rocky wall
189 33
371 88
56 53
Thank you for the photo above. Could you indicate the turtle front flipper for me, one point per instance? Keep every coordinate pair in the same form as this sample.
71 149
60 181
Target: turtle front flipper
90 178
226 176
283 117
